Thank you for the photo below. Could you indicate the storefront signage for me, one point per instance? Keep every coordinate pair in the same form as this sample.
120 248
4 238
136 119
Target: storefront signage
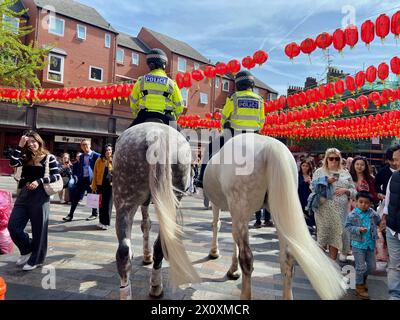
65 139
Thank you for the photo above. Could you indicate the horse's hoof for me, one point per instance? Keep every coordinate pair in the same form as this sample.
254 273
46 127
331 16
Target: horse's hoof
213 256
156 291
147 260
125 293
233 275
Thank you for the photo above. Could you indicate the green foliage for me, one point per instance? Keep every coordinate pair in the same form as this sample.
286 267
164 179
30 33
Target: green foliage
19 63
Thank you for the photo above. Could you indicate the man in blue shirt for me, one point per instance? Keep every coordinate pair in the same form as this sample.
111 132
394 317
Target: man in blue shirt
84 172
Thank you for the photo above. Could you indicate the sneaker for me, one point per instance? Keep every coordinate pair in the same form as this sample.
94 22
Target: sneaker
92 217
105 227
68 218
23 259
28 267
100 226
257 225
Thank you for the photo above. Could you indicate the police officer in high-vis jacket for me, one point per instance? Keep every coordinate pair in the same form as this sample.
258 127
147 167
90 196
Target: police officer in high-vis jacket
243 112
155 95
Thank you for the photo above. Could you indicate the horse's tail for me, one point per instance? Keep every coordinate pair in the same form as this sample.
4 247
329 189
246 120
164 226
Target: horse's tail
289 220
165 202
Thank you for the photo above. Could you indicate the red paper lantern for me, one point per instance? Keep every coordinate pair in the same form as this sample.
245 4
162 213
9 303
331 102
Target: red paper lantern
371 74
382 26
339 40
209 72
179 80
395 25
360 79
217 115
351 105
197 75
351 83
221 68
339 87
208 115
395 64
351 36
308 46
330 90
375 98
383 71
368 32
363 102
323 92
292 50
323 40
260 57
248 62
187 80
234 66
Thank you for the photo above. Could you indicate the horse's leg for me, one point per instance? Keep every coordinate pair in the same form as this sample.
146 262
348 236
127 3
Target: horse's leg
156 286
123 226
233 272
145 226
216 226
240 232
287 262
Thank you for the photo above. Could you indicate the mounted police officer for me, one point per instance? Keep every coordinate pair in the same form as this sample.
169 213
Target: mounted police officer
243 112
155 95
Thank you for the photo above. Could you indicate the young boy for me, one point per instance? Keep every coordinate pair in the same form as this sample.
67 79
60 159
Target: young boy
362 223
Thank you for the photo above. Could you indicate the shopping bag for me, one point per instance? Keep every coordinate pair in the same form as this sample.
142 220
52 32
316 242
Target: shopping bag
381 250
93 201
6 205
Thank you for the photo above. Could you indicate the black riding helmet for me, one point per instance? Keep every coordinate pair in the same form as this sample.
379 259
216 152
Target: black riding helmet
156 59
244 80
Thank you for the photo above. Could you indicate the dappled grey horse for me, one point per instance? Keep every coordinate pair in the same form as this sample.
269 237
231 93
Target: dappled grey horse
252 172
152 163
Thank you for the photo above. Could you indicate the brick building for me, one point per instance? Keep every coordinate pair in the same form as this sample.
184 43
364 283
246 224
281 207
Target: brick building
88 51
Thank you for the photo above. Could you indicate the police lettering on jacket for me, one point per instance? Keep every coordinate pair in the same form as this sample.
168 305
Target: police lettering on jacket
248 104
155 79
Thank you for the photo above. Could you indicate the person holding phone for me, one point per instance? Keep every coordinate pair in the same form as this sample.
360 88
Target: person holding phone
33 203
331 215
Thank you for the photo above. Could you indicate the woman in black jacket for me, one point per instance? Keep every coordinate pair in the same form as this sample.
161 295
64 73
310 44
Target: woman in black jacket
305 177
32 204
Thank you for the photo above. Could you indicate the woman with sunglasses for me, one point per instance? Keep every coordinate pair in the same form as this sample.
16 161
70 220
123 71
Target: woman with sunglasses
332 211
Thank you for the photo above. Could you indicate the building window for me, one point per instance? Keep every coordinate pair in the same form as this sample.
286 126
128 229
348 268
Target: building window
181 64
81 32
10 23
96 74
120 56
56 26
135 58
107 40
225 85
184 93
56 68
203 98
272 96
217 82
196 66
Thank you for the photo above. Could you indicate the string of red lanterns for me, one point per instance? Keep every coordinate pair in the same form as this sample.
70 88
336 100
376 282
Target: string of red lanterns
112 92
349 36
328 91
380 125
184 80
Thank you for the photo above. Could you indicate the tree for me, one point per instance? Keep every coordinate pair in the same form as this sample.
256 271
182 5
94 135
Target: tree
19 62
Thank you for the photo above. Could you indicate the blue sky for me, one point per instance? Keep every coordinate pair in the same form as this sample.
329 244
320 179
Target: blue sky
223 30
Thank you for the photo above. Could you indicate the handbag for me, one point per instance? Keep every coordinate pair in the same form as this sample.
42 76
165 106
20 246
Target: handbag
53 187
93 201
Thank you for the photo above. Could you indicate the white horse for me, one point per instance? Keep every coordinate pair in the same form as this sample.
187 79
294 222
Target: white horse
267 178
151 162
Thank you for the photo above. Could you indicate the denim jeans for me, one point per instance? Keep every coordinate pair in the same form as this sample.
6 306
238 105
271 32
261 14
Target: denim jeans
365 263
394 266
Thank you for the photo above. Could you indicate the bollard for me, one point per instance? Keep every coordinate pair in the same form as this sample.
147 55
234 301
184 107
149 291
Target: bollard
3 289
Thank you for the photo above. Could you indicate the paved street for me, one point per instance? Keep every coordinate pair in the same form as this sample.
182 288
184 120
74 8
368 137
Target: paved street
84 261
